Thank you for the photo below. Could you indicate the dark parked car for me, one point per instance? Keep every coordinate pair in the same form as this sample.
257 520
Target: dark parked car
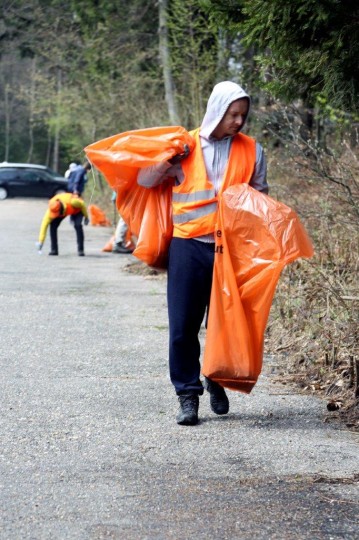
27 180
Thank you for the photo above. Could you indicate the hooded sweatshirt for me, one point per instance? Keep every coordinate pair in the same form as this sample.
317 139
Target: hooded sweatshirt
223 94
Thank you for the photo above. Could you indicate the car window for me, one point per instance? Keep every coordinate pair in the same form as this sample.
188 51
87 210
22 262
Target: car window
7 175
45 176
29 176
32 176
53 173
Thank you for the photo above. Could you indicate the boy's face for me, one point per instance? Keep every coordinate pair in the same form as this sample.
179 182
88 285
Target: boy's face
233 119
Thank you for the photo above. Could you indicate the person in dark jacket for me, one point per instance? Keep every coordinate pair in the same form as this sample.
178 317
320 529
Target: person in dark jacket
78 178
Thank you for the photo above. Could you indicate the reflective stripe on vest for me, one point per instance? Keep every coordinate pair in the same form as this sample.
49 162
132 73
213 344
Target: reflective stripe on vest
194 202
199 212
193 197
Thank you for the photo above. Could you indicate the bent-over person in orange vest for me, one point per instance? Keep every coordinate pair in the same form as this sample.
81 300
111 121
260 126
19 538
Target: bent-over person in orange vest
60 206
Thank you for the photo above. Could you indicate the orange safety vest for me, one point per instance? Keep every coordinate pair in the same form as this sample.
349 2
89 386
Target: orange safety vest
194 202
66 199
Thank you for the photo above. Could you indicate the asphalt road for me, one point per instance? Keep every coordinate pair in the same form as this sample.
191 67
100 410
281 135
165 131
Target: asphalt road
89 444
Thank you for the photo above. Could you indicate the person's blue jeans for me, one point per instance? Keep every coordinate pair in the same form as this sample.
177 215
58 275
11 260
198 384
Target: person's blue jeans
190 269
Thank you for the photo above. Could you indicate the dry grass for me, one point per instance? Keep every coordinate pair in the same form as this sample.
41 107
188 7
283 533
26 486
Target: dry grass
314 318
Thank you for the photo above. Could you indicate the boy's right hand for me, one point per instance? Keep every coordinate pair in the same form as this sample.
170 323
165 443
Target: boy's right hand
178 157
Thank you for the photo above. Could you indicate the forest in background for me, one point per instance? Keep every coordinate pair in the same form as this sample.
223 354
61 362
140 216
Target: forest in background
76 71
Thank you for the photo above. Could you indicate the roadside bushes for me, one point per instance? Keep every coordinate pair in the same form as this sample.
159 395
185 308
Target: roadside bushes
314 322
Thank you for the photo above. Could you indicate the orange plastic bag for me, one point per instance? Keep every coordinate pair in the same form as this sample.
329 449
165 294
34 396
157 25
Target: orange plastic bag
151 213
256 237
147 212
98 216
109 245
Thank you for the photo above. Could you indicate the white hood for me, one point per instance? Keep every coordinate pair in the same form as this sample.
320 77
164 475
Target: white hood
223 94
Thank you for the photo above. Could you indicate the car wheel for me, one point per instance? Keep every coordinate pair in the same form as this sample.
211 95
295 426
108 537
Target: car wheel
3 193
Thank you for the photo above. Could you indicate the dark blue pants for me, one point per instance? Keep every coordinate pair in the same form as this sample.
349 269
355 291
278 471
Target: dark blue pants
190 269
76 220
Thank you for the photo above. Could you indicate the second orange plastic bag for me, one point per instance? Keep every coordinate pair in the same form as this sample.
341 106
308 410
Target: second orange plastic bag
256 237
98 216
147 212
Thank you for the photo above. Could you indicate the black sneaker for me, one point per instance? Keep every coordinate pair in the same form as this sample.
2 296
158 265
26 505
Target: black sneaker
188 412
121 248
81 253
218 397
53 252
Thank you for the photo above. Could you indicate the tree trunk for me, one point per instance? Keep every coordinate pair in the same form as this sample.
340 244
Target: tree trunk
223 55
31 112
7 100
166 65
55 157
48 149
